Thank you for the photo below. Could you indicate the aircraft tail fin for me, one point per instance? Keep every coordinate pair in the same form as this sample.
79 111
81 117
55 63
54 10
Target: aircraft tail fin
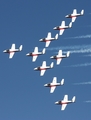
20 48
62 82
73 99
82 12
51 65
70 25
43 51
68 54
56 36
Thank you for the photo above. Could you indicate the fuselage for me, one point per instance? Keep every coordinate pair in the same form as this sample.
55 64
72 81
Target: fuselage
42 68
10 51
47 39
63 102
52 85
73 15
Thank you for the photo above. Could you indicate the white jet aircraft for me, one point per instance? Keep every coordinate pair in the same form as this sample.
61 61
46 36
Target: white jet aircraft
62 27
43 68
59 57
54 84
74 15
35 54
65 101
13 50
48 39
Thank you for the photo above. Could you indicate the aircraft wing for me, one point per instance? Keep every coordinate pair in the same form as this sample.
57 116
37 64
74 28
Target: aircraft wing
63 106
49 35
58 61
47 43
73 19
13 47
11 54
36 50
52 89
34 58
42 72
61 31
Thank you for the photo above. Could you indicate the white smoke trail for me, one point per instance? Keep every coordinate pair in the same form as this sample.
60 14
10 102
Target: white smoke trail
75 47
83 83
77 37
88 101
79 65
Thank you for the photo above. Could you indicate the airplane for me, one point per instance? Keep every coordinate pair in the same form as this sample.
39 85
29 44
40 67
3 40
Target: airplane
65 101
43 68
62 27
13 50
59 57
35 54
54 84
48 39
74 15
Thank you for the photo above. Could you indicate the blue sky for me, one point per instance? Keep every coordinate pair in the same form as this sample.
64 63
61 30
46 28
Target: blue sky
22 92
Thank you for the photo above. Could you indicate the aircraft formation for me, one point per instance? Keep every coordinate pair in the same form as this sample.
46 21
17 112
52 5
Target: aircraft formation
57 57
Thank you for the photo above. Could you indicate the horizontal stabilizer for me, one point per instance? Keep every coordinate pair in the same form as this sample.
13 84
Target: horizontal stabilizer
73 99
56 36
82 12
70 25
52 64
62 82
20 48
43 51
68 53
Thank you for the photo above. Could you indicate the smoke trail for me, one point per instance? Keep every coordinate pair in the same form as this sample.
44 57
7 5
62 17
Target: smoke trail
83 83
88 101
80 65
75 47
77 37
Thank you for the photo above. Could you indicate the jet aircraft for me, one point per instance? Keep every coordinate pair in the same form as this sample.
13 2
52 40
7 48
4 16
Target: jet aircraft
54 84
48 39
43 68
65 101
59 57
35 54
74 15
62 27
12 50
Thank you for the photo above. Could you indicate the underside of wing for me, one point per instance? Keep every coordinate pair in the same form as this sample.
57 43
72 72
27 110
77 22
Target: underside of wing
65 97
60 52
61 32
34 58
36 50
42 72
73 19
52 89
49 35
47 43
63 106
11 55
58 61
54 80
13 47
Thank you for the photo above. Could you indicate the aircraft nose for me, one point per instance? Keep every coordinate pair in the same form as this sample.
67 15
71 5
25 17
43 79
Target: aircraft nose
56 102
41 40
35 68
66 16
45 85
27 54
4 51
54 28
51 57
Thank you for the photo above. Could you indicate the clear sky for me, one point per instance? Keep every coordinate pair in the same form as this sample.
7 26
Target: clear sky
22 92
